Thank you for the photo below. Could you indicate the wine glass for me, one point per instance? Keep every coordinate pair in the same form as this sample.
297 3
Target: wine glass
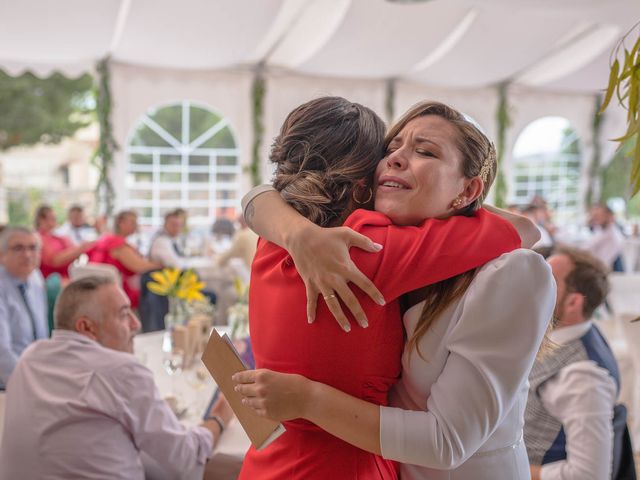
173 363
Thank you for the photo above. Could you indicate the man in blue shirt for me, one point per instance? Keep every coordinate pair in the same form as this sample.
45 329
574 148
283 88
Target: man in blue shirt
23 302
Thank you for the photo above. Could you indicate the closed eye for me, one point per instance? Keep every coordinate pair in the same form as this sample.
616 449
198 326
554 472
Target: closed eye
425 153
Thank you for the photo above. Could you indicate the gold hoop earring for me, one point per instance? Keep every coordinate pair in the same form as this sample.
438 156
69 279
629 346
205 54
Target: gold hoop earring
355 199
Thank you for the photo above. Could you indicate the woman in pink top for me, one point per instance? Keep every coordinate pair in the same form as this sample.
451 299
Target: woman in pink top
113 249
57 252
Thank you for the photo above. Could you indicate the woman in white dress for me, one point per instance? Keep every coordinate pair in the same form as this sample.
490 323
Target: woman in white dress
457 411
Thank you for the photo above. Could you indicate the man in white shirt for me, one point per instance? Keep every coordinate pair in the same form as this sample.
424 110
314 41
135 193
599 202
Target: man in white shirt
76 227
607 241
79 405
573 389
165 248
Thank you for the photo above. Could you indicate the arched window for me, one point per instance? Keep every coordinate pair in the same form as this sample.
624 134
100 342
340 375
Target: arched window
183 155
546 162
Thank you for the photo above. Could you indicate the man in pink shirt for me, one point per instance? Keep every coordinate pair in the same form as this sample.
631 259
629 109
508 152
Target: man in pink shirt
79 405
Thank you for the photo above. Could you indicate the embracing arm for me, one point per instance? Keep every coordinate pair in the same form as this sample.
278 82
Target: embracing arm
527 230
283 396
490 358
267 214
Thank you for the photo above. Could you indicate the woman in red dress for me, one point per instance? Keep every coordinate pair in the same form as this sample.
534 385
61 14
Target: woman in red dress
326 155
113 249
57 252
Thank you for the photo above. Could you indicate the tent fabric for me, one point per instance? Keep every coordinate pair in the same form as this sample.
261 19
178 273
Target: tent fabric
553 53
556 45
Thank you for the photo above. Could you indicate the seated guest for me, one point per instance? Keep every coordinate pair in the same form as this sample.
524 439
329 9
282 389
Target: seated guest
537 215
23 299
79 405
165 248
76 227
113 249
568 427
607 241
222 231
243 245
57 252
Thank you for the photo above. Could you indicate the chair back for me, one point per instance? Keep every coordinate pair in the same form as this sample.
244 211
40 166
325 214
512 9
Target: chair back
624 467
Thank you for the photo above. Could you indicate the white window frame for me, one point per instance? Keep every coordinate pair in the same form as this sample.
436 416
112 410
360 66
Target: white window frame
185 149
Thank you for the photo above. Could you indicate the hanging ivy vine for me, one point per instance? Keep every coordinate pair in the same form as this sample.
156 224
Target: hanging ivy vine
624 82
596 158
103 156
503 121
258 89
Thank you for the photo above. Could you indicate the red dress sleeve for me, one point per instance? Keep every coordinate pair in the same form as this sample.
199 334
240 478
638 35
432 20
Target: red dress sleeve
413 257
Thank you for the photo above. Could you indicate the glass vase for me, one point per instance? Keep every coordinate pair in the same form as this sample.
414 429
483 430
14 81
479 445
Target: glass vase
176 315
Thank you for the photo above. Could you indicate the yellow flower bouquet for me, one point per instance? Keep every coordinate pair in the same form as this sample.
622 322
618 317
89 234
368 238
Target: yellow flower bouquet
181 287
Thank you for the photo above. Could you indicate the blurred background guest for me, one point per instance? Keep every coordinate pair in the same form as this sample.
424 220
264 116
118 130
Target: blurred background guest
537 215
23 303
222 232
243 246
113 249
166 249
607 240
57 252
77 229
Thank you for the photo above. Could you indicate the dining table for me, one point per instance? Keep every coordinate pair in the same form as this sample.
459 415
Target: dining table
189 390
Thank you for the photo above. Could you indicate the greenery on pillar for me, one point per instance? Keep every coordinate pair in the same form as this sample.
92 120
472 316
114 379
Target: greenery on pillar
624 82
503 121
103 156
258 89
596 158
390 100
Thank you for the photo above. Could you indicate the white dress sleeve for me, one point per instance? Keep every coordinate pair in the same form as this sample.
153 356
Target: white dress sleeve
500 323
253 193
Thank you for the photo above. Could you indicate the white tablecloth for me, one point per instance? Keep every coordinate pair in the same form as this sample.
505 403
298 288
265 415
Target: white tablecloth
193 391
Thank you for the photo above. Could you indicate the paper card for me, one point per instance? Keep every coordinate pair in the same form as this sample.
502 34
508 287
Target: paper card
222 361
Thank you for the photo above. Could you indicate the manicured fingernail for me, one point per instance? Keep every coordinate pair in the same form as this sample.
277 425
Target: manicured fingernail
364 323
236 388
380 301
377 247
310 319
346 328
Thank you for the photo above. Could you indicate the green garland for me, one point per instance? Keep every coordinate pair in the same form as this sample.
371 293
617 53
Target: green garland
103 156
258 89
595 173
504 122
390 100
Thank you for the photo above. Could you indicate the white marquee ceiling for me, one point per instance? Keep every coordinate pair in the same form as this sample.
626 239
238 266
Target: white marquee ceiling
559 45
